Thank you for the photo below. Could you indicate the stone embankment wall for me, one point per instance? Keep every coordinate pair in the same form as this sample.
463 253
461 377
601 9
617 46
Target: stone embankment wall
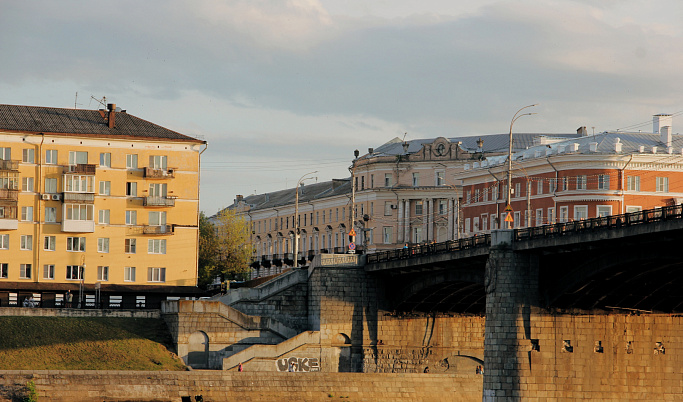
79 313
289 306
218 386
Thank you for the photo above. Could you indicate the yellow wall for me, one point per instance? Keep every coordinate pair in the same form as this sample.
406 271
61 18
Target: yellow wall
180 259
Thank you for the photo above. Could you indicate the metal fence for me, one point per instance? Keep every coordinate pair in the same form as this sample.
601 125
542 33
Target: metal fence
557 229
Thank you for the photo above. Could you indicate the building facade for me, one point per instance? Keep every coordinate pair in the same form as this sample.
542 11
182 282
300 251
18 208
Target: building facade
560 180
99 203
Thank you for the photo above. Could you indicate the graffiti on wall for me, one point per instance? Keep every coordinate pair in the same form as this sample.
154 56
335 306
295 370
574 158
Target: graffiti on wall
298 364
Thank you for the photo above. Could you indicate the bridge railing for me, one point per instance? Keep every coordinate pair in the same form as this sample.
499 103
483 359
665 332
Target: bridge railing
612 221
429 249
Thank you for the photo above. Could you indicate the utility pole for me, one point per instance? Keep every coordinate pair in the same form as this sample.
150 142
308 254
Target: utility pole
509 194
296 218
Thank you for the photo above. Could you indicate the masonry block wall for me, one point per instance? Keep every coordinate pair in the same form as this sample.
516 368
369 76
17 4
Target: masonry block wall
359 334
290 307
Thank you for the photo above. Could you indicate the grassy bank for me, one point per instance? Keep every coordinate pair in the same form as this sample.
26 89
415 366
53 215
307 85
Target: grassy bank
60 343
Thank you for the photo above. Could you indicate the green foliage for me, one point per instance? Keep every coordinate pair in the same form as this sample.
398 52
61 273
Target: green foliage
61 343
224 247
31 391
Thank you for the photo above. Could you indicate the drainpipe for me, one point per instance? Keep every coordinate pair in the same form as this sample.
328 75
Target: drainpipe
547 158
623 178
199 177
39 227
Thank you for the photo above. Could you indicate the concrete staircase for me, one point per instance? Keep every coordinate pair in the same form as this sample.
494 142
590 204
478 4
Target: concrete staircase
272 352
265 290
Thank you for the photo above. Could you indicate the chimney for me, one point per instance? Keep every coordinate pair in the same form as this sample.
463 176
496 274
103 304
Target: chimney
111 107
582 131
661 120
665 136
238 198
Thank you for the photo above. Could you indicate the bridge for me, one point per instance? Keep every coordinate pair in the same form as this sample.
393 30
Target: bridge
628 261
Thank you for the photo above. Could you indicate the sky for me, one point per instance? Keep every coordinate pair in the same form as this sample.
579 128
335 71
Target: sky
281 88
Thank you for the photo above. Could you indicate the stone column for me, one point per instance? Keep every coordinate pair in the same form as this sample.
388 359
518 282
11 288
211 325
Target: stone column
430 220
406 220
511 283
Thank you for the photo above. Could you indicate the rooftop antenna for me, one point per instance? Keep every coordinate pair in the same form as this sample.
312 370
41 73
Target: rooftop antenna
76 101
102 102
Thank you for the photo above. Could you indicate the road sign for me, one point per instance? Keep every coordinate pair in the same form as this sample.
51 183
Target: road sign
352 232
508 208
352 246
508 218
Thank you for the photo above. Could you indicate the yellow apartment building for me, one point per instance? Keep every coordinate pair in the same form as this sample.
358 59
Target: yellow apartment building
97 203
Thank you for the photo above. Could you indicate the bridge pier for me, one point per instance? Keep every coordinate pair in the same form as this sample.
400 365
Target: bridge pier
511 283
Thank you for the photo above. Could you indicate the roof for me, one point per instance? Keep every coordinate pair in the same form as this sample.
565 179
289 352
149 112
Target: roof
49 120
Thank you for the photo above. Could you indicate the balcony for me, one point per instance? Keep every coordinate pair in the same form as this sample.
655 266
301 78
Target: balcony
82 168
7 194
9 165
153 201
79 198
157 230
9 223
152 173
78 226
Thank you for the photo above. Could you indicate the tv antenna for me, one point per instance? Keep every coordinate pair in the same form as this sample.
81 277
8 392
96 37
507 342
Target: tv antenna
102 102
76 101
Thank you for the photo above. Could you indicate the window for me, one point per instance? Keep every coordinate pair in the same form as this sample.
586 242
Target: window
551 215
79 183
443 207
78 157
387 208
564 214
417 235
516 220
539 187
603 182
4 242
50 214
48 271
51 157
132 161
552 183
518 189
25 271
49 244
476 195
539 217
4 267
604 210
103 216
102 273
156 274
580 212
156 246
440 181
157 190
157 161
467 225
129 274
581 182
27 184
105 187
130 246
494 224
80 212
74 272
494 192
484 222
158 218
50 185
5 154
8 180
26 242
662 184
75 244
564 183
131 217
633 183
416 179
468 196
131 189
387 180
418 207
26 213
103 245
387 234
105 159
28 155
486 194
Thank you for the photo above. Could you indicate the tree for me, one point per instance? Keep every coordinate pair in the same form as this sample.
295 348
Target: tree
224 247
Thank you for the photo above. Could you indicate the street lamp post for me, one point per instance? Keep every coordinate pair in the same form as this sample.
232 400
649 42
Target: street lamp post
352 238
514 119
296 218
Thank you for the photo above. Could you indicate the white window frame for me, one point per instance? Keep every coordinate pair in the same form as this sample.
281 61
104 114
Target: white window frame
51 185
27 214
388 179
131 189
157 218
83 212
416 179
103 273
103 216
603 210
539 187
131 161
78 157
440 178
4 242
577 212
156 274
130 246
105 159
603 182
552 218
131 217
387 234
4 270
105 187
27 184
633 183
75 244
581 182
129 274
662 184
50 214
158 161
51 156
156 246
25 271
26 242
49 271
28 155
102 244
75 272
539 217
74 183
50 243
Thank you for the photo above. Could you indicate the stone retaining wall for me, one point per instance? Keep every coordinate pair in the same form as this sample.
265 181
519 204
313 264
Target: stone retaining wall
74 312
118 386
